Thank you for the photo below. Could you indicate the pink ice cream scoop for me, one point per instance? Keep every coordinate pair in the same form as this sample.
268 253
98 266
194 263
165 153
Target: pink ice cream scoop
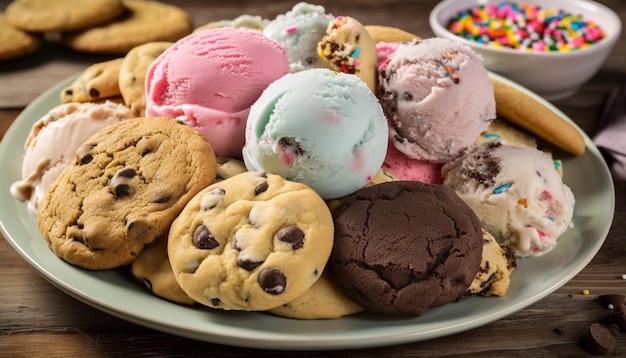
210 79
437 96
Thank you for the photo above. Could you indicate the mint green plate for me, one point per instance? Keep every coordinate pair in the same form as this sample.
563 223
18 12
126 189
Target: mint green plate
116 293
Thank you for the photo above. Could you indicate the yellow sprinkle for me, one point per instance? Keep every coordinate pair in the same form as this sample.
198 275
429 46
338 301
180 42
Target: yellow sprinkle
585 292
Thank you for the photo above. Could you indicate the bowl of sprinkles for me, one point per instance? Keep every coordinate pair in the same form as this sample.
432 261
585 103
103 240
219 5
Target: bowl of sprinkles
551 47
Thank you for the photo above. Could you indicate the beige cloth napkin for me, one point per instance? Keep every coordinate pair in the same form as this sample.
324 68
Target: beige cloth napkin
610 135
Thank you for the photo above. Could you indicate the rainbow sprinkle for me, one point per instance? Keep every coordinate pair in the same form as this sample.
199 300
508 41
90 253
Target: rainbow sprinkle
502 188
525 27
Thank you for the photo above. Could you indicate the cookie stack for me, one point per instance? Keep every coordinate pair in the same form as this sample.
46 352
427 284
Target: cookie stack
94 26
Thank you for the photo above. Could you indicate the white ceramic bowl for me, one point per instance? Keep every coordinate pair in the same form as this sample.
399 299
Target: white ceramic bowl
553 75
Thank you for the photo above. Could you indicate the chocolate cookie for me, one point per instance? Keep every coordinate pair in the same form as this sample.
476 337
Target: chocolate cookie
403 247
126 185
251 242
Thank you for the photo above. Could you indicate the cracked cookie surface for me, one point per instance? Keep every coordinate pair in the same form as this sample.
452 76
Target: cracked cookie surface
126 185
252 242
403 247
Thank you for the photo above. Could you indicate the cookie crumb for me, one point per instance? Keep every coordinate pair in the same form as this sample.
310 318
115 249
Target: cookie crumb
562 330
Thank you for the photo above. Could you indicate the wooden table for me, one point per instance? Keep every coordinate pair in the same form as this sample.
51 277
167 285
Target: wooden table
37 319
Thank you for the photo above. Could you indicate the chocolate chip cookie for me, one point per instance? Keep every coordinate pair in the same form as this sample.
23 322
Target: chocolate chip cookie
97 82
152 268
126 185
132 74
251 242
58 16
15 42
143 21
324 300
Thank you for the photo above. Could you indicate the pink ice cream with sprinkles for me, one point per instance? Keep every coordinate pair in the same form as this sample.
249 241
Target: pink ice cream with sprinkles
438 98
319 127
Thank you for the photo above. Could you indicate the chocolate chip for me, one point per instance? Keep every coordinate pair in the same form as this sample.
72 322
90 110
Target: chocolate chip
161 194
291 235
84 153
248 265
94 92
211 199
291 145
203 239
69 92
122 190
272 281
600 341
86 159
137 227
161 199
261 188
121 183
562 330
216 301
127 173
147 145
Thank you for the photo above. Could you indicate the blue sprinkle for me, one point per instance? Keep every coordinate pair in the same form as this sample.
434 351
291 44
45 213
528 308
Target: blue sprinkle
492 135
558 163
502 188
355 53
